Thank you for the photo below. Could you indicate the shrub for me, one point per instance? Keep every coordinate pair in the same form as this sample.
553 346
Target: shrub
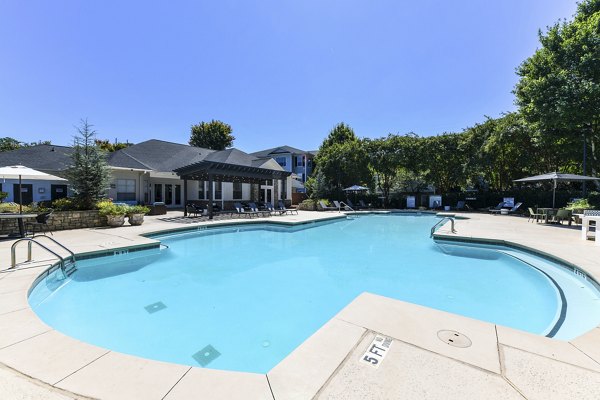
107 207
308 205
12 208
138 210
3 196
594 199
581 204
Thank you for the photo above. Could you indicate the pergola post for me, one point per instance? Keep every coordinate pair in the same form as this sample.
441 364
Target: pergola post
185 197
283 194
210 196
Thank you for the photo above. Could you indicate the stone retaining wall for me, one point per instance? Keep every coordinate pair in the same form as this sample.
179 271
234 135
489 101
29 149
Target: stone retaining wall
60 220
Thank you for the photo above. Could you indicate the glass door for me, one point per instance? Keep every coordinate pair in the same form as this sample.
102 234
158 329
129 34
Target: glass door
168 194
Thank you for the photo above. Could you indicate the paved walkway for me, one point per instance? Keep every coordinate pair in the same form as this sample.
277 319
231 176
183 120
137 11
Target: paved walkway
491 361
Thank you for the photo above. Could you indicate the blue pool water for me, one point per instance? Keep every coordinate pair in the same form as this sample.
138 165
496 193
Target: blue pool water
242 298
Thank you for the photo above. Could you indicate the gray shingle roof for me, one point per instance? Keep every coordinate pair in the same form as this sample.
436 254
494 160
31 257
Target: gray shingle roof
278 150
43 157
157 155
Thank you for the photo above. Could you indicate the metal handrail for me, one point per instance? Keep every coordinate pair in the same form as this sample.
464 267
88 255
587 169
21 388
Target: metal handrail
13 253
437 224
53 241
346 206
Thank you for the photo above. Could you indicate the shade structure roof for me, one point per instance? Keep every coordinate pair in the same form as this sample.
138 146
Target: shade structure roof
356 188
23 172
232 165
557 176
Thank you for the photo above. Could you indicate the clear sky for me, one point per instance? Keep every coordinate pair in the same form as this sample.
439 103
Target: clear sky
279 72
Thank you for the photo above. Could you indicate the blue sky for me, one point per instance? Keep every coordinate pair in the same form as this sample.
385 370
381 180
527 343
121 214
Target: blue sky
280 72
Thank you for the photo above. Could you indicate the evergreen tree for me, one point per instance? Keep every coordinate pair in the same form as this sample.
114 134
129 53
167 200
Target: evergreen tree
88 174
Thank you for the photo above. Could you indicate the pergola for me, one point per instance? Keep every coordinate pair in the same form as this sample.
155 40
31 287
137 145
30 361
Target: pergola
213 171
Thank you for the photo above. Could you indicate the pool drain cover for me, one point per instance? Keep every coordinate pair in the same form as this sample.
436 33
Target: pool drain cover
206 355
454 338
154 307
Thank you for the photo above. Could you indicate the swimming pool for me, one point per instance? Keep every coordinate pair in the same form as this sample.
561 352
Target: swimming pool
243 297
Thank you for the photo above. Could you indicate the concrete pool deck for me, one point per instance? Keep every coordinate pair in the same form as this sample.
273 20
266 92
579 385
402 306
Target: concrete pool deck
37 362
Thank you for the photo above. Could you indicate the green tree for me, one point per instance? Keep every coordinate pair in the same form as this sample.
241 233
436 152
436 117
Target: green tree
88 173
317 186
109 147
8 143
341 133
559 86
215 135
442 161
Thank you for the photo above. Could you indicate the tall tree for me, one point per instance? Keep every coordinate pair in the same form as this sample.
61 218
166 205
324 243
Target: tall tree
109 147
8 143
215 135
88 173
341 133
559 89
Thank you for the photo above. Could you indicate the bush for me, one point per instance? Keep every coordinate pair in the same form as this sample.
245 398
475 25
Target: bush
138 210
581 204
107 207
12 208
594 199
3 196
308 205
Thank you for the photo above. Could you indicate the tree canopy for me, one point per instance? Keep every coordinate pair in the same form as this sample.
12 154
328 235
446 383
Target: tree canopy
215 135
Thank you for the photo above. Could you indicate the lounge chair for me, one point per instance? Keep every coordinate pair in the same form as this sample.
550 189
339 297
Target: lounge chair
239 208
352 206
363 205
194 209
460 205
274 210
533 214
254 208
498 208
507 211
337 205
325 207
282 208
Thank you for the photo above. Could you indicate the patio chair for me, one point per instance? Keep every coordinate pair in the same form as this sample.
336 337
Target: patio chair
41 222
283 208
337 205
506 211
194 209
325 207
563 215
533 214
363 205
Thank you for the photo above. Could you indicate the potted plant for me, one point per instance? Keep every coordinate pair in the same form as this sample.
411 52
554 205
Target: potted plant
136 214
114 213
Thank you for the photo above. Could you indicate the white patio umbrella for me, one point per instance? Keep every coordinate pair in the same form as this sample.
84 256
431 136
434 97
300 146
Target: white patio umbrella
556 177
22 172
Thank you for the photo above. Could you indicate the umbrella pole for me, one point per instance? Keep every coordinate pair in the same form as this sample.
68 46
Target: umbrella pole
554 194
20 197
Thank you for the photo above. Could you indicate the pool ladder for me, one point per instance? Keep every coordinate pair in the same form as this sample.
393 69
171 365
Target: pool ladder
66 264
346 207
439 223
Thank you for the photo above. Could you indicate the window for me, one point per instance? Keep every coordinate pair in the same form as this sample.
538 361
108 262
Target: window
300 161
237 190
218 190
201 191
281 161
267 182
177 194
158 192
168 194
125 189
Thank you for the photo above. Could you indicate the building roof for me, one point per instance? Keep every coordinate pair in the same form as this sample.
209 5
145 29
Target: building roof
43 157
157 155
278 150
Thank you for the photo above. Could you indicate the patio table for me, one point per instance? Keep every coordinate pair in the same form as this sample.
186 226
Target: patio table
547 213
19 218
